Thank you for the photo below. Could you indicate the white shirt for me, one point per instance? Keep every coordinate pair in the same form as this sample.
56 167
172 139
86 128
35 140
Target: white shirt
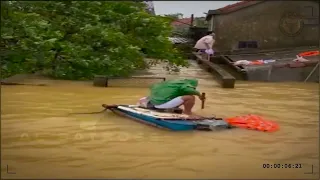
201 43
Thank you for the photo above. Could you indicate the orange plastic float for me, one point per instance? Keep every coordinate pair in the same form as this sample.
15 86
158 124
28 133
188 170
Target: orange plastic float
256 62
309 53
253 122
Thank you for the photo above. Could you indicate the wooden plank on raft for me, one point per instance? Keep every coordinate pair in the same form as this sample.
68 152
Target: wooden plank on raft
226 79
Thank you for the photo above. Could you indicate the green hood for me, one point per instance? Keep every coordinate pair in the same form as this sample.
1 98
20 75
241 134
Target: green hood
192 82
168 90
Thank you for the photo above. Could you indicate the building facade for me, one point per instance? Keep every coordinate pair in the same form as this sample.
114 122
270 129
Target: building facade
265 25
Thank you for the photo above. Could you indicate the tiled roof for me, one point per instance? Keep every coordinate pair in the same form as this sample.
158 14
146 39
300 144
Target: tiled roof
232 7
237 4
183 21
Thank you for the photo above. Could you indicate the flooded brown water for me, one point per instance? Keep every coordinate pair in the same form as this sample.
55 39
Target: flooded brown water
40 139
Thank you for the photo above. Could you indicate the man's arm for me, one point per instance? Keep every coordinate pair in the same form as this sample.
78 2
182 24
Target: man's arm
207 46
208 42
190 91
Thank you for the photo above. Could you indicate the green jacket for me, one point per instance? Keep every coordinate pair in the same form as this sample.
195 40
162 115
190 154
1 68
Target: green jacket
168 90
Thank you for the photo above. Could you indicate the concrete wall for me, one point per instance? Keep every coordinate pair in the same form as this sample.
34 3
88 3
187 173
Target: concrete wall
270 24
284 74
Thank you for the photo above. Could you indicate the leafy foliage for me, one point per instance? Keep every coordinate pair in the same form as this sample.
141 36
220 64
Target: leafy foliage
174 16
78 39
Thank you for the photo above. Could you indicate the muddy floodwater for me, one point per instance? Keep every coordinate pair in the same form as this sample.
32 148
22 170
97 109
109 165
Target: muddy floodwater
40 139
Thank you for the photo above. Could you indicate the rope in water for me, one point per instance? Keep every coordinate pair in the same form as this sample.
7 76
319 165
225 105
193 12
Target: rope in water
98 112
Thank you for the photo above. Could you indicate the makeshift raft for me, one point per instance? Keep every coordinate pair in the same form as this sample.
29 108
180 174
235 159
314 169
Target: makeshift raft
168 120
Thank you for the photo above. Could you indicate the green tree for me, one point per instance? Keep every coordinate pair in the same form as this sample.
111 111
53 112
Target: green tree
78 39
174 16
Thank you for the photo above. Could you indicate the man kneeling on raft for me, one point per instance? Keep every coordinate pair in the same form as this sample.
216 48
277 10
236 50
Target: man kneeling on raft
172 94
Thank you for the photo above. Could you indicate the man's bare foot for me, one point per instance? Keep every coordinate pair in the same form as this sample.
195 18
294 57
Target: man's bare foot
193 116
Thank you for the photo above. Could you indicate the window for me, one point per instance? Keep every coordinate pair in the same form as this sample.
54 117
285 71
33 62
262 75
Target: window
247 44
308 12
242 44
310 16
252 44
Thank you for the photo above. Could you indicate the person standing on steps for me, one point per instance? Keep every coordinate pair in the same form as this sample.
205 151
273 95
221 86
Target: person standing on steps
205 44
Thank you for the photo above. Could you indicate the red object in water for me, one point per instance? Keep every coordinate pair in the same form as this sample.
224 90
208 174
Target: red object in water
256 62
309 53
253 122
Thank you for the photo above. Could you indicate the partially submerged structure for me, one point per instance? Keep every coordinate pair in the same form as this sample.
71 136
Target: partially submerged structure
265 31
271 66
265 25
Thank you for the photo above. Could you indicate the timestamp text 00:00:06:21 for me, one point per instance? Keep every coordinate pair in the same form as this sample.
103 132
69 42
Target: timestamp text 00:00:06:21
293 166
